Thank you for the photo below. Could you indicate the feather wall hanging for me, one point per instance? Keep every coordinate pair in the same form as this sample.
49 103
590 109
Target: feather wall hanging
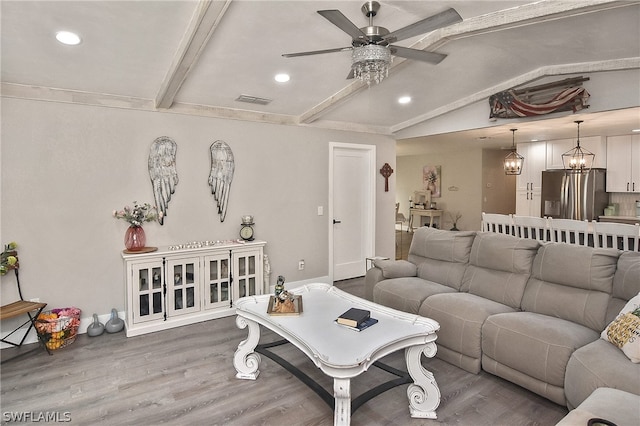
163 174
221 175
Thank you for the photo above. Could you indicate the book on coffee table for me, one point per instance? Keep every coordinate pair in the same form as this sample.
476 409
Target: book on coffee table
364 324
353 317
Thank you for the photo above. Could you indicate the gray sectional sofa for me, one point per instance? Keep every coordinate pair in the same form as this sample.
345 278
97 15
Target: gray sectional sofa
528 312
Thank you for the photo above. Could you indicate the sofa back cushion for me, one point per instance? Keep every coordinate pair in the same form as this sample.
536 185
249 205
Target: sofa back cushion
499 267
571 282
441 256
626 283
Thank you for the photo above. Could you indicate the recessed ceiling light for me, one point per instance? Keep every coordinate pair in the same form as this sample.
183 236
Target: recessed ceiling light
404 99
67 37
636 130
282 78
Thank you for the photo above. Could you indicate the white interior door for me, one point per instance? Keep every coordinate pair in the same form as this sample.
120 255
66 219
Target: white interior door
351 209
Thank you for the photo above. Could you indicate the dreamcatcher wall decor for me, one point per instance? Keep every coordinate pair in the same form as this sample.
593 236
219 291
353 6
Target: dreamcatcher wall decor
221 175
163 174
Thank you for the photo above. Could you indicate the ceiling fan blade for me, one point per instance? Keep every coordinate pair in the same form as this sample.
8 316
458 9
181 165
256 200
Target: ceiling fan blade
339 20
419 55
439 20
317 52
350 76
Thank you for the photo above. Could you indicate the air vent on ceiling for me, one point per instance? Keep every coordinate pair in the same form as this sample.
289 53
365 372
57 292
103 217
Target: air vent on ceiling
253 100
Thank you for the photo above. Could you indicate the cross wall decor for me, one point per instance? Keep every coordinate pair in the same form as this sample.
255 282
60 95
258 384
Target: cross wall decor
386 171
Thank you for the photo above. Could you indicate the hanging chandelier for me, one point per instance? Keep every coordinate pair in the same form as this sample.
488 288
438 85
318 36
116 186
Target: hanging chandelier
370 63
513 162
578 159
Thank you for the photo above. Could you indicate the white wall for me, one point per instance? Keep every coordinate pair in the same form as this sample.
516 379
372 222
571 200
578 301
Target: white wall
462 171
65 168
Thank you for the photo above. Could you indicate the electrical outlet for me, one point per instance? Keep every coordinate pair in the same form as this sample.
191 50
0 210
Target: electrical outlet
300 264
35 299
320 210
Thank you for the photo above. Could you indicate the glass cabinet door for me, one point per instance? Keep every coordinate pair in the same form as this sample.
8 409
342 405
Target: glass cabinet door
148 303
183 295
248 269
217 281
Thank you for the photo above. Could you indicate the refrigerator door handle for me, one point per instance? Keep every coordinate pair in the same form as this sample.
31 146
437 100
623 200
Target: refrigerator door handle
563 197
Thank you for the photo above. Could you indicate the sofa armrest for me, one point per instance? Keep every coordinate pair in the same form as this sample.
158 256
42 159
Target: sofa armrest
396 268
384 270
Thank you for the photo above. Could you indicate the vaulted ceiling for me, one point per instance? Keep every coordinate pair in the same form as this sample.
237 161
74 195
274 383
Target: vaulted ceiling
198 57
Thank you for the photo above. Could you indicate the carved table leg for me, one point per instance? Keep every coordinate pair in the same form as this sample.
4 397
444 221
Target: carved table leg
342 396
245 360
423 394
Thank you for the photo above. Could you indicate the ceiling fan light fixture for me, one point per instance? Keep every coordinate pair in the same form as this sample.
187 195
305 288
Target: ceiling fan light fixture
370 63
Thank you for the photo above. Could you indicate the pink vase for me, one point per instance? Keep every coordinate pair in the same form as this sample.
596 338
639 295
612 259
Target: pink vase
134 238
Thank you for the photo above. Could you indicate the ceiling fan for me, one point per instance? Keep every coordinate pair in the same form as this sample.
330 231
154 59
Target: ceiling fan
370 45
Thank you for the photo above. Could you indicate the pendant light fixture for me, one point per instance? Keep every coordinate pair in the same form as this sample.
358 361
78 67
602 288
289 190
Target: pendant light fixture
513 162
578 159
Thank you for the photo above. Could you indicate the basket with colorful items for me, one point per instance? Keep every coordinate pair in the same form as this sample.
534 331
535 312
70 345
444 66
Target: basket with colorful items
59 327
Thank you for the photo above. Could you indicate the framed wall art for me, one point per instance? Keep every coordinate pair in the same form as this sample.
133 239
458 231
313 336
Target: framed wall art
431 180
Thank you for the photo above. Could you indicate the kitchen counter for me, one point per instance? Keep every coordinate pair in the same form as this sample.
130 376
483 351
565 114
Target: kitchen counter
620 219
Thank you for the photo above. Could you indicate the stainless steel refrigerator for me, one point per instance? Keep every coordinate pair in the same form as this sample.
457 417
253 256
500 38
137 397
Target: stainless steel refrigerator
574 195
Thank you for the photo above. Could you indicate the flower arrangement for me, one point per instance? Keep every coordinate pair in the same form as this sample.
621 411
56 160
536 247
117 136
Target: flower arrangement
432 177
138 214
9 258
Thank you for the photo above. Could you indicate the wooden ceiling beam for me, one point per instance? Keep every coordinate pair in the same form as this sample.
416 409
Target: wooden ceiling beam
204 22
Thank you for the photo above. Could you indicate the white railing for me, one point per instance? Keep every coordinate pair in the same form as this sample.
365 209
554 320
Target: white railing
582 232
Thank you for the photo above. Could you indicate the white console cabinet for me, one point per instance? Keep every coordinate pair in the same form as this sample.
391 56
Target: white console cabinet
177 286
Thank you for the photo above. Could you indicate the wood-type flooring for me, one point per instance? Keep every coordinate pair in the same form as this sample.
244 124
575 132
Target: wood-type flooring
185 376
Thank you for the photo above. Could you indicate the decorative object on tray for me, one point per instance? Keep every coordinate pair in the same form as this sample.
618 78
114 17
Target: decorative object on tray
135 238
115 324
96 328
221 175
163 174
386 172
279 286
9 258
285 304
353 317
59 327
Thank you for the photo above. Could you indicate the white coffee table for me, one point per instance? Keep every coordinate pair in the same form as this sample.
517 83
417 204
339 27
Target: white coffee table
339 352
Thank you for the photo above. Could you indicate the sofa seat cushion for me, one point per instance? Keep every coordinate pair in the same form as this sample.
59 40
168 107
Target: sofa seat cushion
406 294
613 405
599 364
535 345
461 316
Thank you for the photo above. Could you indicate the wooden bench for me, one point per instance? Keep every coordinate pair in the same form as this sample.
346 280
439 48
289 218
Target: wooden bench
17 309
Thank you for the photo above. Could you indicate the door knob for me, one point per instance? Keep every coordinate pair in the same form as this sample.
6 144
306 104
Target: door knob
336 221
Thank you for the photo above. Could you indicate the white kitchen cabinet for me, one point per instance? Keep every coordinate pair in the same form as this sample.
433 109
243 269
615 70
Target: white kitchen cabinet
528 203
529 182
623 163
597 145
179 286
534 154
